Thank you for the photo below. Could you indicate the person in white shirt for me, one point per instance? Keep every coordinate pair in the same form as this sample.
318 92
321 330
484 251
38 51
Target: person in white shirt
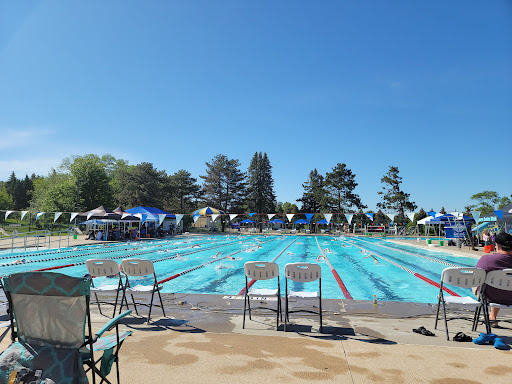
99 235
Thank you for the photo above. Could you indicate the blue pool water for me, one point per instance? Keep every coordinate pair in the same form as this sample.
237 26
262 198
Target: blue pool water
361 274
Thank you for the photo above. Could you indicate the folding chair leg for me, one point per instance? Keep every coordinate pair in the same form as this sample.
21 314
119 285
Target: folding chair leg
161 302
476 318
445 321
320 307
286 311
98 302
151 305
438 307
245 306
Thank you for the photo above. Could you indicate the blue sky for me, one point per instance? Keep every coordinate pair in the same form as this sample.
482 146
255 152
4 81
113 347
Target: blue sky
425 86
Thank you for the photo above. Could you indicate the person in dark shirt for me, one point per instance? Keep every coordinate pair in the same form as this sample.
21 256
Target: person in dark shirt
502 259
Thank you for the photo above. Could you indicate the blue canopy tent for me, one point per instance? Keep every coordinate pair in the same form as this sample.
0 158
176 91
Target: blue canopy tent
276 221
149 214
301 221
247 221
323 221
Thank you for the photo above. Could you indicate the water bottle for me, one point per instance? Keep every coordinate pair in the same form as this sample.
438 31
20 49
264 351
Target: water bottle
374 300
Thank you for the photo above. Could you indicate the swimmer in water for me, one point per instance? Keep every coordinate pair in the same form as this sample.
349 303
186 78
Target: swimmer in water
373 257
178 257
327 250
230 258
215 256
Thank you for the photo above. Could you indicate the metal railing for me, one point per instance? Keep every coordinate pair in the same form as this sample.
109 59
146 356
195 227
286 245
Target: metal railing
35 239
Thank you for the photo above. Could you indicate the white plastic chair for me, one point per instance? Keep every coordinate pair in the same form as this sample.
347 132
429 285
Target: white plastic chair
500 279
262 270
138 268
303 273
458 277
105 268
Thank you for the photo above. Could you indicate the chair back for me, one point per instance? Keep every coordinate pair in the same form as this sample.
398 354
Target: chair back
303 272
102 267
138 267
500 279
261 270
49 307
463 277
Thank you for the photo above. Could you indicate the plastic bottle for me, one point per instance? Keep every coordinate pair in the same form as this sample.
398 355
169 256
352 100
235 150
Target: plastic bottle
374 299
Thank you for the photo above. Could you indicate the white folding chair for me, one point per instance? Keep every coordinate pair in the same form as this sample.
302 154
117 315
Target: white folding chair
105 268
499 279
139 268
261 270
458 277
303 273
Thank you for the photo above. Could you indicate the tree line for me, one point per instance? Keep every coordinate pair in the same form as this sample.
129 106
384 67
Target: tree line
83 183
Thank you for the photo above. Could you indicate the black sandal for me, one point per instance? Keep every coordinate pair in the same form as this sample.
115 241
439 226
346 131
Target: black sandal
423 331
462 337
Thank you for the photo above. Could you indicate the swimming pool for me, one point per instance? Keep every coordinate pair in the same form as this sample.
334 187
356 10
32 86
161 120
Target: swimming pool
366 266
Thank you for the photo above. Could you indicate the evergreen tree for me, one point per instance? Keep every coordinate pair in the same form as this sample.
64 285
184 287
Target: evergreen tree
340 185
142 185
224 184
393 197
442 211
184 191
260 186
420 215
314 198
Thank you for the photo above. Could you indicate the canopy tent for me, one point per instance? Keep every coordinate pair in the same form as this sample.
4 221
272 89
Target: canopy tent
323 221
126 216
100 212
300 221
207 211
150 213
276 221
247 221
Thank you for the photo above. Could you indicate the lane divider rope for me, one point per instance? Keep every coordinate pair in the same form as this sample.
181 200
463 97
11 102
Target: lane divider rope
337 277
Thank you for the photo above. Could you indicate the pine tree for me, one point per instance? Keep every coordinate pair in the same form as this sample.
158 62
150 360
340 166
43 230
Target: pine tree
224 184
260 188
184 191
340 185
393 197
314 198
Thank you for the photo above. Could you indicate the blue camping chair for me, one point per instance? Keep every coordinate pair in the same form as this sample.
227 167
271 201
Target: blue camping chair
51 331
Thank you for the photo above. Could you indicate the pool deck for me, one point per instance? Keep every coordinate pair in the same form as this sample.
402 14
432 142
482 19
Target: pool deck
202 340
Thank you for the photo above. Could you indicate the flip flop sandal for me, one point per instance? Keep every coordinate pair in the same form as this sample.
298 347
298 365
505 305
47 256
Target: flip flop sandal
462 337
423 331
495 324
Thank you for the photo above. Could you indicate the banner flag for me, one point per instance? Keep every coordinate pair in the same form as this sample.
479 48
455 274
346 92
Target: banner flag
178 218
328 217
289 216
73 215
89 215
214 216
270 216
56 216
499 214
39 214
309 216
369 215
391 216
432 213
161 218
195 218
410 215
7 213
476 215
23 213
349 217
231 216
252 214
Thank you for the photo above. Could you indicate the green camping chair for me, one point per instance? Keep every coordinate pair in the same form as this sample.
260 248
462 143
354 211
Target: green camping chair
51 332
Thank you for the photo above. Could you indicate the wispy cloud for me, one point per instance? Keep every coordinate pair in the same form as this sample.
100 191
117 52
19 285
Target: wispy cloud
23 137
39 166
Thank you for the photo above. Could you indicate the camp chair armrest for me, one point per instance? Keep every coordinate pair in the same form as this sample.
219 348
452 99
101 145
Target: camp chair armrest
111 324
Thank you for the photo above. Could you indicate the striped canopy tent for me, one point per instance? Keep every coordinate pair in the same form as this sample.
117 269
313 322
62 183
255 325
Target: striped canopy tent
206 211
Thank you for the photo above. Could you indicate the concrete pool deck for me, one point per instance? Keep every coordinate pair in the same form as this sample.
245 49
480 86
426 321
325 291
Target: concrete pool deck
202 340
